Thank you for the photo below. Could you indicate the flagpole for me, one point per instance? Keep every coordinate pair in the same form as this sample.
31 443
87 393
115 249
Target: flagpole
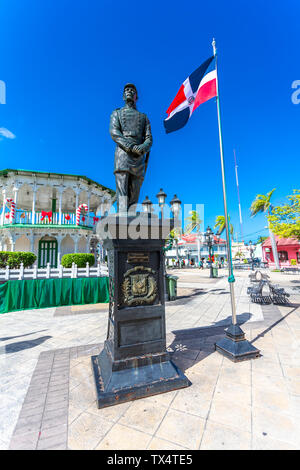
238 191
231 278
234 345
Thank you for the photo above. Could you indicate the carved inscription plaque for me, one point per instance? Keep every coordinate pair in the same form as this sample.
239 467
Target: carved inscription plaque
138 257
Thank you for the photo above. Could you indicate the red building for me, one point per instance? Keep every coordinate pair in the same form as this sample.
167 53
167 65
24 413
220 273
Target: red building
288 249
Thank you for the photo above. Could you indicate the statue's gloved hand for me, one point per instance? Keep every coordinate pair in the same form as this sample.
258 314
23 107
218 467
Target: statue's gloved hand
138 149
128 147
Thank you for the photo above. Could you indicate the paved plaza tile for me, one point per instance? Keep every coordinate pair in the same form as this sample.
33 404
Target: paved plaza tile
47 390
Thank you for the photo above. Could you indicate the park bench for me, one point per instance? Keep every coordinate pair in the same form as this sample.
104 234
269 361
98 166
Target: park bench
279 295
290 270
256 293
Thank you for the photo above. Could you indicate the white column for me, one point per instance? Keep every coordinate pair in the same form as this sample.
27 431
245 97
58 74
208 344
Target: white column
77 191
3 206
32 238
88 204
87 248
12 242
76 239
16 191
59 240
33 204
59 205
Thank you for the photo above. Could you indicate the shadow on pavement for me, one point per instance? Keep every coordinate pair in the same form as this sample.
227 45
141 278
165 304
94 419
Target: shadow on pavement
193 345
241 318
23 345
7 338
183 299
219 293
260 335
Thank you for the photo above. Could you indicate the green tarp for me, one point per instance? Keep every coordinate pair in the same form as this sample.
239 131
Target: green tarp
43 293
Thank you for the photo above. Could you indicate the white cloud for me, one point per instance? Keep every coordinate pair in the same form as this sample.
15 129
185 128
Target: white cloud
6 133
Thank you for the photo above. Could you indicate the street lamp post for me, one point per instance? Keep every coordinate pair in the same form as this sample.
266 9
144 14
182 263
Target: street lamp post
217 242
175 205
147 205
251 249
175 208
209 240
161 196
188 256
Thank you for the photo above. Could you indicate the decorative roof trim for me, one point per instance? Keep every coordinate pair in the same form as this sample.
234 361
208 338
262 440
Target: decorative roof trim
50 173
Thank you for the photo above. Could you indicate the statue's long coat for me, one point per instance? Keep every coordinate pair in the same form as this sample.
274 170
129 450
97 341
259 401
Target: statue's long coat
129 126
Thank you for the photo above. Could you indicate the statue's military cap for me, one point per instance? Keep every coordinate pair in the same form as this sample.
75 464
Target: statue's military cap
131 85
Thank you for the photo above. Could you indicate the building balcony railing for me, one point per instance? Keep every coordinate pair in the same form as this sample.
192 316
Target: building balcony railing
49 218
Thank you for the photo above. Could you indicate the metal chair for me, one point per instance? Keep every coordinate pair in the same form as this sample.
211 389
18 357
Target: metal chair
279 295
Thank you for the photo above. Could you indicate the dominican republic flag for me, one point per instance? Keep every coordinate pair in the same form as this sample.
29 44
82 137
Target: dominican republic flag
199 87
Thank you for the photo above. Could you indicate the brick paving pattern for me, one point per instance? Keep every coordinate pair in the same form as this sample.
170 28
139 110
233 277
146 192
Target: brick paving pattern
47 396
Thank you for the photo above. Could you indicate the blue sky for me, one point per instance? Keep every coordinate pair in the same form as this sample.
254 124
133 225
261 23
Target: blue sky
65 64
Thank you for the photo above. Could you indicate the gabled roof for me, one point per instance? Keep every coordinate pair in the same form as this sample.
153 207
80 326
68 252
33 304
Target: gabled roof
281 242
49 173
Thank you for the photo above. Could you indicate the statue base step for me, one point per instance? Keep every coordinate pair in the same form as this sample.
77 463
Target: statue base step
135 378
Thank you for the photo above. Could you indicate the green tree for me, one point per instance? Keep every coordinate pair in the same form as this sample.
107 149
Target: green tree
285 219
262 205
221 225
261 239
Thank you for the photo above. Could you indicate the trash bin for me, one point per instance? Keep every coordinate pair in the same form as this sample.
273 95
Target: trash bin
171 286
214 272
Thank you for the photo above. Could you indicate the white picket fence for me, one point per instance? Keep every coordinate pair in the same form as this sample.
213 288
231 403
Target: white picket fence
8 274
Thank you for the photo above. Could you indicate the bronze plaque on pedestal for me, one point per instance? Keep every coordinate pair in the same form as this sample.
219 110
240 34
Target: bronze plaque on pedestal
138 257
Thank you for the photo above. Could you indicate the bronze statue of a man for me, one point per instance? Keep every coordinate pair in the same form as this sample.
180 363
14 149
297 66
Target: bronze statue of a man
131 131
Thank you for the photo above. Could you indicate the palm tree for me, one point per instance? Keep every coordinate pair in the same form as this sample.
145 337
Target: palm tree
221 224
262 204
194 222
261 239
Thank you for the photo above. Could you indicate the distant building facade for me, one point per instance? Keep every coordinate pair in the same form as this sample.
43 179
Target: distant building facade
241 250
50 214
287 248
191 249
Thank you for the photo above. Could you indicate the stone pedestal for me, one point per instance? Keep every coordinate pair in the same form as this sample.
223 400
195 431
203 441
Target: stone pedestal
134 362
